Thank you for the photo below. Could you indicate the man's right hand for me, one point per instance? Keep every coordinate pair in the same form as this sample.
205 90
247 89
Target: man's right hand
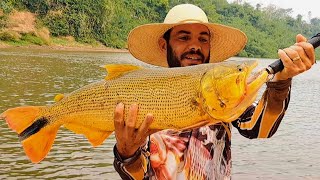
129 139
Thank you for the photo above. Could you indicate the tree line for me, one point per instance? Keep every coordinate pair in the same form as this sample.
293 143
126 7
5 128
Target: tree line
108 21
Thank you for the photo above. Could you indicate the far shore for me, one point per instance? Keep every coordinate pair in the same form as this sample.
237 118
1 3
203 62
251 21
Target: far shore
65 48
80 47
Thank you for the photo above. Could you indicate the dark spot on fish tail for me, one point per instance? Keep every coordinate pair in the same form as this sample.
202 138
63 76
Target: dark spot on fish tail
33 129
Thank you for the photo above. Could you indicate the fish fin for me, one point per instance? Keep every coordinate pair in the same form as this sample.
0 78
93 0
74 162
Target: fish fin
116 70
197 125
36 137
95 137
19 118
58 97
38 145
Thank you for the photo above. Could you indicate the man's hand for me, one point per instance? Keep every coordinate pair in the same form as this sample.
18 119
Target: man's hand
129 139
296 59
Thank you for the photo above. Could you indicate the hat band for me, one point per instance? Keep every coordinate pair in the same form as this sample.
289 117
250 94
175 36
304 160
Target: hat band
189 21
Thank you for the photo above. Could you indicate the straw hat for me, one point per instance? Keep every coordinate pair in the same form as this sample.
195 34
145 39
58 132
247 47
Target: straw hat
143 40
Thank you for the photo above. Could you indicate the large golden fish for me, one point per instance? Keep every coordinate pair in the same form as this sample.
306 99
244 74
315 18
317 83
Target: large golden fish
178 98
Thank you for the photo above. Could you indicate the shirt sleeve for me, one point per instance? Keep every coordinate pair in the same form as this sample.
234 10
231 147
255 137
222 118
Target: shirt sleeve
132 168
261 120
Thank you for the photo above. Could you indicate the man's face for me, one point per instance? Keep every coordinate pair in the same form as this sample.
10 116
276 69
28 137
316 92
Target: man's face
189 44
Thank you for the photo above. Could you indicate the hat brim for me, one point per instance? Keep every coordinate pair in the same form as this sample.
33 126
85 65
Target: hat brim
143 43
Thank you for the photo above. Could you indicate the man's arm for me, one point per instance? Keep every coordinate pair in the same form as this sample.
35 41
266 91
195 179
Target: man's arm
262 120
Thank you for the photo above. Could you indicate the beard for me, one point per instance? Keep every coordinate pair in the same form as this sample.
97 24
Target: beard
174 61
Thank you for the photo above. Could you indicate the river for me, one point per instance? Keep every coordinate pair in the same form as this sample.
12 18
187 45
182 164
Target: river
34 77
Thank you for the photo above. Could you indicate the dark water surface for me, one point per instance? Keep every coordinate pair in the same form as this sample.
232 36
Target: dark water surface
34 77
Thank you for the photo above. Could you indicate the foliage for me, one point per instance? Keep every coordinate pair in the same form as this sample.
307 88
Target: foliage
8 36
3 22
109 22
32 39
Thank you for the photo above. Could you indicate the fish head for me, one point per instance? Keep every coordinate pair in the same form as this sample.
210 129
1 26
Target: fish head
229 88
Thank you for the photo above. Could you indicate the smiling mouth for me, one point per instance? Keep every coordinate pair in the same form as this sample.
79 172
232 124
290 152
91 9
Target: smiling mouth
193 58
198 59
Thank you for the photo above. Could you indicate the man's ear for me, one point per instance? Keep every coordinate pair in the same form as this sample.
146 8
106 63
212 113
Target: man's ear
163 45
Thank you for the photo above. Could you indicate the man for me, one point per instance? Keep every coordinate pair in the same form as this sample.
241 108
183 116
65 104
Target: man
186 38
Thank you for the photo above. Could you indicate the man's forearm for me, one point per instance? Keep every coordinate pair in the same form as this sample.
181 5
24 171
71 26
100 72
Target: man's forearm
262 120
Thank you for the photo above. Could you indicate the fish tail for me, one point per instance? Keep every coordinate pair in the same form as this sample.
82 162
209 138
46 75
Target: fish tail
34 131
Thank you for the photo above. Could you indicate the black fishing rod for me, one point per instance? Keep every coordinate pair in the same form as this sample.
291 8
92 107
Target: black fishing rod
278 65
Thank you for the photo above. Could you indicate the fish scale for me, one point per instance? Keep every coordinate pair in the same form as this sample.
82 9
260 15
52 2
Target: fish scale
167 98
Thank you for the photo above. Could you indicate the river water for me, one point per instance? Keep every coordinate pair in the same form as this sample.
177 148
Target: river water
34 77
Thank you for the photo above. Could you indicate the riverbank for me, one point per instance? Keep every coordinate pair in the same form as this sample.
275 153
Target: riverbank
72 47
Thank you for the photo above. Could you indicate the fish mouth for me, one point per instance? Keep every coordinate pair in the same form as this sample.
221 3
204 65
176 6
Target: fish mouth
255 79
253 76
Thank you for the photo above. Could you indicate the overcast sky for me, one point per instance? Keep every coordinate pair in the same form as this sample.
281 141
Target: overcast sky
298 6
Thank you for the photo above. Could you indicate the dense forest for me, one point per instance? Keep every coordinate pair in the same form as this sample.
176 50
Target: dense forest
108 22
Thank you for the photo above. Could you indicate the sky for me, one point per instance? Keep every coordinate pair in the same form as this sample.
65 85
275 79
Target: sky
298 6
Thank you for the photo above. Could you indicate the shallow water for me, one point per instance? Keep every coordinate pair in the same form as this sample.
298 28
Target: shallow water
34 77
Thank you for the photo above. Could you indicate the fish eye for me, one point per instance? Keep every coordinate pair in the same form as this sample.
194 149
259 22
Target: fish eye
240 68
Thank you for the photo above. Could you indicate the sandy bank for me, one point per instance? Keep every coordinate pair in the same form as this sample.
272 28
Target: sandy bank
66 48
